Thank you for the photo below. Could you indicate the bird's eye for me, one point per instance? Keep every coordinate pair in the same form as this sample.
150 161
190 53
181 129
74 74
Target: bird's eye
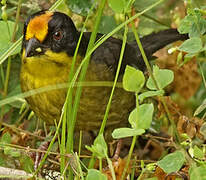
58 35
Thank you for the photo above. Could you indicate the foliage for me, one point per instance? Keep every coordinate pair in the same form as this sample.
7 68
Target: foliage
6 28
172 162
163 77
197 173
149 129
194 24
95 174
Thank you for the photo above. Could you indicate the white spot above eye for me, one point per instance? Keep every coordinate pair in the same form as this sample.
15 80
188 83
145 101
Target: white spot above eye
38 49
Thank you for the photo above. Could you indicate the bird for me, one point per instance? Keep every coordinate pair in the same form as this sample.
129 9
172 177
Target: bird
49 42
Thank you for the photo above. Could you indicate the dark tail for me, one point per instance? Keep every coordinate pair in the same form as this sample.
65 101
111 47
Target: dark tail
155 41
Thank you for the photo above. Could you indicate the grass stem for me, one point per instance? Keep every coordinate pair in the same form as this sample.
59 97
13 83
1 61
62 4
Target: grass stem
92 40
175 133
129 157
16 21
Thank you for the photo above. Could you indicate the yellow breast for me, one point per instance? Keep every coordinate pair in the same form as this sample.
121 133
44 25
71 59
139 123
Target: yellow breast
42 71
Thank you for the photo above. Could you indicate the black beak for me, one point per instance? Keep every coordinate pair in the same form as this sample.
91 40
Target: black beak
31 47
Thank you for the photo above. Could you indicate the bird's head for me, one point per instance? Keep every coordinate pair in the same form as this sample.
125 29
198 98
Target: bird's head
49 34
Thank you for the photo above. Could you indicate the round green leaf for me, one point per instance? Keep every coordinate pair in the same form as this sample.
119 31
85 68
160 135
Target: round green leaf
192 45
95 174
133 79
126 132
198 173
163 77
99 147
185 24
143 119
172 162
117 5
150 94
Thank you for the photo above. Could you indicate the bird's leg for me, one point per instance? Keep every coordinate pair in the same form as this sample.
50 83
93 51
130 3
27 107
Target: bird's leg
39 155
118 148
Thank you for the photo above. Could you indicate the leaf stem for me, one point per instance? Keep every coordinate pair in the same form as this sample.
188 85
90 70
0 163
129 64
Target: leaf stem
17 21
72 120
115 81
109 162
6 83
176 135
129 157
144 55
68 101
100 164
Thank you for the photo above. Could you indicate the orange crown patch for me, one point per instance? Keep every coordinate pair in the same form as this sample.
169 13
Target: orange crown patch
38 27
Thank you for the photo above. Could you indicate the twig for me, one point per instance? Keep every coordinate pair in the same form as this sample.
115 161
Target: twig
13 173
